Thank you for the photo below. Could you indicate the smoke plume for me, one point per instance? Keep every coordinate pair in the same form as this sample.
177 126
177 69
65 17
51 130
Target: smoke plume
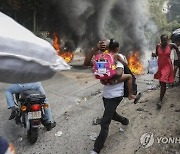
84 22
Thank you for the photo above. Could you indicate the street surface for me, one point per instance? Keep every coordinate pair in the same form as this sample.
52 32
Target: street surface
75 99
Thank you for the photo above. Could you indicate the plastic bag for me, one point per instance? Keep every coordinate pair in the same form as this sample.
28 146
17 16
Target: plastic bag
152 65
25 57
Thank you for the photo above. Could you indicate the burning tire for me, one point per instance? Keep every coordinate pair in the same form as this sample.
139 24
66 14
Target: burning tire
68 56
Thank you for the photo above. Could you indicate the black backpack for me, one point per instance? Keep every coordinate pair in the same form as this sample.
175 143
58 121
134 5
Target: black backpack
134 85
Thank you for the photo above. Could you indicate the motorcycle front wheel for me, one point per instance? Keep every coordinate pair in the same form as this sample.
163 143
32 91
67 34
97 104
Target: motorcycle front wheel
32 135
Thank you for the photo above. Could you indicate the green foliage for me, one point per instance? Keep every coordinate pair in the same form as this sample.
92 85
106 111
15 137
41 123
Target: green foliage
160 18
156 14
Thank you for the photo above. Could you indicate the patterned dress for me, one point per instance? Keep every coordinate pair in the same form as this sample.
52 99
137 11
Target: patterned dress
165 68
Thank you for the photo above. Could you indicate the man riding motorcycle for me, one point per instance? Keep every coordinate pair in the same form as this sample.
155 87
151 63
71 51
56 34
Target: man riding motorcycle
18 88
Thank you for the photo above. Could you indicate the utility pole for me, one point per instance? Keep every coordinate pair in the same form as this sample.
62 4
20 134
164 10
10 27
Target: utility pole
34 20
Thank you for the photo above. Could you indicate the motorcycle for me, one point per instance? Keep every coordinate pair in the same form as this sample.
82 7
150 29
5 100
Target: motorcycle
31 112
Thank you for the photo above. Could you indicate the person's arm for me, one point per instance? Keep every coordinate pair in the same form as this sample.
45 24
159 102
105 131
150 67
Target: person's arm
101 46
88 58
115 79
123 60
157 50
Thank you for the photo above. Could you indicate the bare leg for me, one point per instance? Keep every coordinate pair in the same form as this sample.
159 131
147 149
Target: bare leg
162 90
128 77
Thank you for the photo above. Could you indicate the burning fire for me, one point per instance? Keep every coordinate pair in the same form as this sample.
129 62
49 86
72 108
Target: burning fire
134 63
67 55
56 43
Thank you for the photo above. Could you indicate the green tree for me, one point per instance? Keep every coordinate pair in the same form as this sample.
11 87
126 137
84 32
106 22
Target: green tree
160 18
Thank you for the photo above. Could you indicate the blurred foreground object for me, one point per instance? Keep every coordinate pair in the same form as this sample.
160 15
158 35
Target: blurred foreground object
6 147
25 57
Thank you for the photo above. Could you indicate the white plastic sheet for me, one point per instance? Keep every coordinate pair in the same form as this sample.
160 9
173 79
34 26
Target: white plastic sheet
25 57
152 65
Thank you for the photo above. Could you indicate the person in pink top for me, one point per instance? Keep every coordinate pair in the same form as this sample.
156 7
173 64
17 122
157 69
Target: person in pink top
165 73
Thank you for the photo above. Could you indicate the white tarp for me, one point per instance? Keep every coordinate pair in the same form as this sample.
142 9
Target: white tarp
152 65
25 57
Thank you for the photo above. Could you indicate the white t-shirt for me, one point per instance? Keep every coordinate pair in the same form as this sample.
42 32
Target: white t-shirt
117 90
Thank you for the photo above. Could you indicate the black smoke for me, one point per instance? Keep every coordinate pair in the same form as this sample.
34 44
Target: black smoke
84 22
131 18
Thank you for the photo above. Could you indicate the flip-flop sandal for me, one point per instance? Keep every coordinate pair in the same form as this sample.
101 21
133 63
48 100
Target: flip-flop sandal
137 98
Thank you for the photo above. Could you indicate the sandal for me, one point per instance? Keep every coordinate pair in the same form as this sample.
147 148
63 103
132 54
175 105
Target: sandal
137 98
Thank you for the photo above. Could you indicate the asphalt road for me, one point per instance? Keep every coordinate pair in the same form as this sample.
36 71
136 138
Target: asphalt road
75 99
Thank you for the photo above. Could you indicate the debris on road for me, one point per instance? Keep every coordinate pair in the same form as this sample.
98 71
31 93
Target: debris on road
172 105
66 114
78 101
144 100
177 110
121 129
59 133
140 109
96 92
93 136
19 139
97 121
152 87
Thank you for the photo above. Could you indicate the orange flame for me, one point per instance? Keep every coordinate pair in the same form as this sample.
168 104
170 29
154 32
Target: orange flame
67 55
56 43
134 63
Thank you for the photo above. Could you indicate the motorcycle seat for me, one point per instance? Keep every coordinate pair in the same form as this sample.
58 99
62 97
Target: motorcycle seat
32 95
